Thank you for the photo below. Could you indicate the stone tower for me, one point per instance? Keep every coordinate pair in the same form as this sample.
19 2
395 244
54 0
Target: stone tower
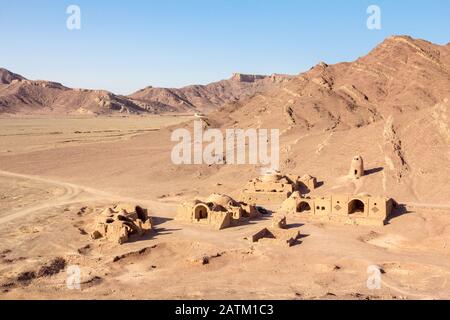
357 167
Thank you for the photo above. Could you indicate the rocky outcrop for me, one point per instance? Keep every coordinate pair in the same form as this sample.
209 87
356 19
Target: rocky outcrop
393 152
6 76
240 77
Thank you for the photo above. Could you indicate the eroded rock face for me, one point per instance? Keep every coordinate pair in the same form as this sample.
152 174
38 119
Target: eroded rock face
399 76
121 222
7 77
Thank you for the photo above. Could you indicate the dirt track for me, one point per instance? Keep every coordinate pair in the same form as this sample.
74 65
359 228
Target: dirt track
72 194
43 192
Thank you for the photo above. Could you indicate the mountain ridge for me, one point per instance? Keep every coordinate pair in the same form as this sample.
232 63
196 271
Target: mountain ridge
400 74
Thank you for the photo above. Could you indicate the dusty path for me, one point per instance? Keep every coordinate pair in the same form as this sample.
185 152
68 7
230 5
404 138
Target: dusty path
72 193
76 193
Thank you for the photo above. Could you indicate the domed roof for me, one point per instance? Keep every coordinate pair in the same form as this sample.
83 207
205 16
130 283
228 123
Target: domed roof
221 199
271 177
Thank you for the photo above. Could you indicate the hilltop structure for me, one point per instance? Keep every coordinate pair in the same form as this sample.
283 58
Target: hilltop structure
218 211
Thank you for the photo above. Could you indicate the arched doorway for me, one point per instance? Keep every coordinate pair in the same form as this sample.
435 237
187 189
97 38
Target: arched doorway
356 206
141 213
201 212
303 207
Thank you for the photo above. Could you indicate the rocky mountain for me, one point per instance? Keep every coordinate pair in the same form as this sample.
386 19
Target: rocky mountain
19 95
391 106
400 75
22 96
6 76
209 97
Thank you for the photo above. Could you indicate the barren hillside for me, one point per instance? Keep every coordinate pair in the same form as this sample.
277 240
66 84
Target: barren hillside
392 107
19 95
6 77
209 97
400 75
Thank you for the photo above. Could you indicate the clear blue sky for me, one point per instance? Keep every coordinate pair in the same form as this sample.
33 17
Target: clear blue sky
126 45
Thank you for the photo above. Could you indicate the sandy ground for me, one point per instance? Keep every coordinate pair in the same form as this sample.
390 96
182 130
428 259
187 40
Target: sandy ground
25 134
51 192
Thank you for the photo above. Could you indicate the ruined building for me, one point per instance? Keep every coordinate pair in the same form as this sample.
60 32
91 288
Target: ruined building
357 167
218 211
121 222
347 209
275 188
278 234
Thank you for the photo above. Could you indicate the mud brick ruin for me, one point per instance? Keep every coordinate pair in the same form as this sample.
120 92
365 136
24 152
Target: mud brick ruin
275 188
290 191
121 222
218 211
341 208
357 167
278 234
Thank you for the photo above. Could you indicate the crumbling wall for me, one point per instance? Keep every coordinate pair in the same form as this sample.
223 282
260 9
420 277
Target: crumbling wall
218 211
307 183
119 223
275 188
340 208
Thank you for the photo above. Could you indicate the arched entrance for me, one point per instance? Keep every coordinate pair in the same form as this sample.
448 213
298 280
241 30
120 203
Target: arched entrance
303 207
141 213
201 212
356 206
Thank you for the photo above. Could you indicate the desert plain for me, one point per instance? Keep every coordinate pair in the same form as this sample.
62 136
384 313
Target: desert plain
59 170
51 193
